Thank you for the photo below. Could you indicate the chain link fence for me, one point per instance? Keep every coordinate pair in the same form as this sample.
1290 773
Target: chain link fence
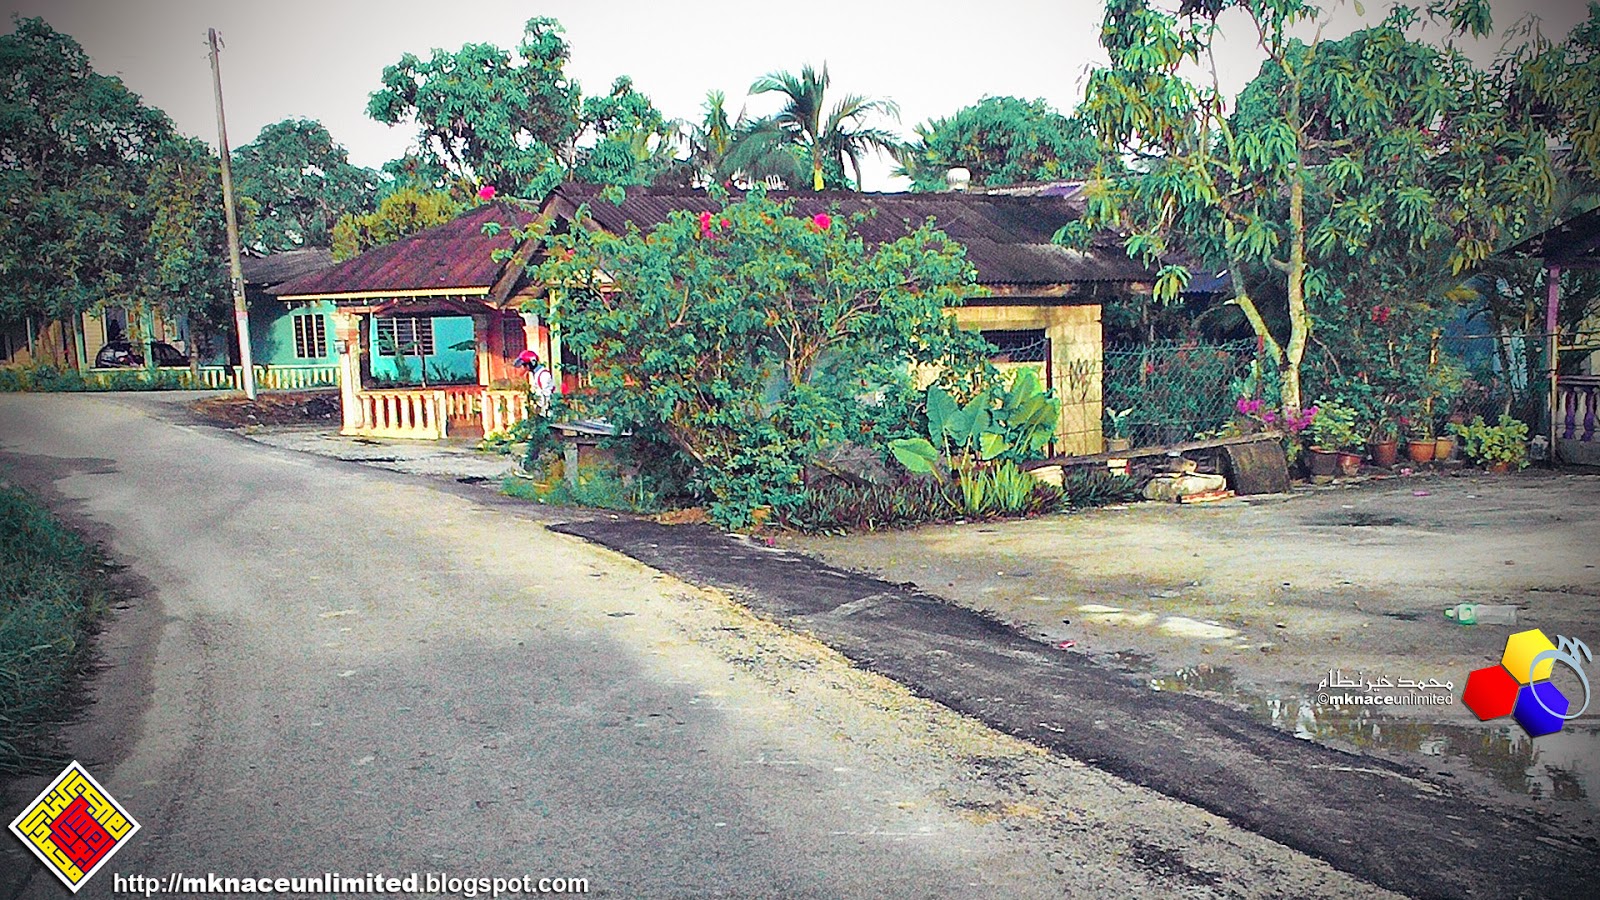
1174 389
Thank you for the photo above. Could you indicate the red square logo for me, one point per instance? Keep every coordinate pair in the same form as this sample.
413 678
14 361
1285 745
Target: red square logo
79 836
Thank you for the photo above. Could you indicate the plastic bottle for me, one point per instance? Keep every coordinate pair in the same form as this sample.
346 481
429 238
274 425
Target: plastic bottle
1482 614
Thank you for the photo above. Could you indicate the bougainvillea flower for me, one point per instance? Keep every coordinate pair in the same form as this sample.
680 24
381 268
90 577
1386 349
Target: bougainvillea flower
724 223
1381 314
823 221
487 192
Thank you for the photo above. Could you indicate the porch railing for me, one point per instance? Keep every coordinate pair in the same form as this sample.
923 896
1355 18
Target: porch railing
1575 412
292 377
502 410
403 414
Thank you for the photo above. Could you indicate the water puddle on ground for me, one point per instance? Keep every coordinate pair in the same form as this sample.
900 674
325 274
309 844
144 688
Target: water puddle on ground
1563 767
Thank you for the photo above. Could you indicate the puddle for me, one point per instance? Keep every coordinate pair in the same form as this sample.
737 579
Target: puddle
1562 767
1361 520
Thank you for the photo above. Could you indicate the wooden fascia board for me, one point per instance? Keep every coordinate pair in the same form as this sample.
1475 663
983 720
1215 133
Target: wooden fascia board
474 291
518 263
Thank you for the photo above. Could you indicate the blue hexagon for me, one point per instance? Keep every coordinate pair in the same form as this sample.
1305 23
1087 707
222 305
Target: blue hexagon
1539 720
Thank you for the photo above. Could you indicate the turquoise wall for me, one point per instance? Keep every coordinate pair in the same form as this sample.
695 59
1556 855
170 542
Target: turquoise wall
272 334
445 366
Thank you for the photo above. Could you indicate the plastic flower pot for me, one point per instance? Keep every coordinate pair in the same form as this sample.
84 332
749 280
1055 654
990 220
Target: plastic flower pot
1443 448
1384 453
1118 444
1420 451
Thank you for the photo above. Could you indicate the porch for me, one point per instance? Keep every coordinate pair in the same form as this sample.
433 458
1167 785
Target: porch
379 407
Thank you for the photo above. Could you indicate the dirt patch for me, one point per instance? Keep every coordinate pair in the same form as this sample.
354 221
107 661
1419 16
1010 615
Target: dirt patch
277 408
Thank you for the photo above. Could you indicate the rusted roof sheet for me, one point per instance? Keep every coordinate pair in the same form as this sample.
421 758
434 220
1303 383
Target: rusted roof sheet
1574 243
456 254
1007 237
276 268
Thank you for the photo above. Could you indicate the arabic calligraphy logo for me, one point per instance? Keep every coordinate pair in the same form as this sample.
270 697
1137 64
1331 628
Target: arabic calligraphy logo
74 826
1520 685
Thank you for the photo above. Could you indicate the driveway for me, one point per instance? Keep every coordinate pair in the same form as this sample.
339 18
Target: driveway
324 667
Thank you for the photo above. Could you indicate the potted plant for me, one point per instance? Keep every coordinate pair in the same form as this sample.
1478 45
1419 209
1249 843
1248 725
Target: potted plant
1383 443
1333 433
1498 447
1419 447
1117 429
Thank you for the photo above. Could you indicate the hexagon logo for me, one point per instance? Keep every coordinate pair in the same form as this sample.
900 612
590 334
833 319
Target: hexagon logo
1491 692
1521 650
1539 709
1520 686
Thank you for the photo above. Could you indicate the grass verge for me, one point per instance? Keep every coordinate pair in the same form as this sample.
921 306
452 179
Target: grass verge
52 594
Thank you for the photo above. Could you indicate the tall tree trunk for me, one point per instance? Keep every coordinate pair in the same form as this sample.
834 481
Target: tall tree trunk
1299 319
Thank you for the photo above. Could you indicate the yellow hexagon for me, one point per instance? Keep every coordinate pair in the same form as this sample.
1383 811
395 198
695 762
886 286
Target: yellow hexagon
1521 648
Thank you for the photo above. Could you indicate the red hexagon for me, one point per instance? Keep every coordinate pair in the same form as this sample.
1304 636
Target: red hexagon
1490 693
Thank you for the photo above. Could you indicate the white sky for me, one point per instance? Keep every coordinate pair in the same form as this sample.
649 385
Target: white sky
320 59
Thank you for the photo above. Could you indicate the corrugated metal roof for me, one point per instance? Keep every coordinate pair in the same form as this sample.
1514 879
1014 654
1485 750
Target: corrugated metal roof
456 254
276 268
1007 237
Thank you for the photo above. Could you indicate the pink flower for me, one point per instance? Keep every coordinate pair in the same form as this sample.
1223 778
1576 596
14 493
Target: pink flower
1269 417
822 221
724 223
487 192
705 225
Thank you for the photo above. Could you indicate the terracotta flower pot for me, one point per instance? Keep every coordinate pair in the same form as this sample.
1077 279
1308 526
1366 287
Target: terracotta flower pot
1349 464
1443 448
1420 451
1498 468
1323 463
1384 453
1118 444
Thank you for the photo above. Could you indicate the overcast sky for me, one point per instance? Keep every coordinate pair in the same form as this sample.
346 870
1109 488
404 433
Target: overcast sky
321 59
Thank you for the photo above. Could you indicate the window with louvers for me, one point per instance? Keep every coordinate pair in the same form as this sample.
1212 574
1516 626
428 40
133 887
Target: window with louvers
310 336
399 333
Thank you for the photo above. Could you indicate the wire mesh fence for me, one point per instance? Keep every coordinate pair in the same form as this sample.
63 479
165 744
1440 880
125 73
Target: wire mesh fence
1174 389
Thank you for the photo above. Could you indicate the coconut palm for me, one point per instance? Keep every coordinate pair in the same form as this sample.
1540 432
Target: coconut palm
813 135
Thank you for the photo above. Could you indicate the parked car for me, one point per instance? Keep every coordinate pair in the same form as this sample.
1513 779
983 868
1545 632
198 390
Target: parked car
124 355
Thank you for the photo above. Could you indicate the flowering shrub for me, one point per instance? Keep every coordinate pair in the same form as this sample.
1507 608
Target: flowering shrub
750 338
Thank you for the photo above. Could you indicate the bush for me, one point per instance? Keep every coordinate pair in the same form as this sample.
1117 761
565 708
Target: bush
47 378
834 507
50 601
1085 489
597 487
751 338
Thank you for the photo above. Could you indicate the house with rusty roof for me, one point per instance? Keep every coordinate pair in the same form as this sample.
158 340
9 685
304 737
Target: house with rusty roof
1039 303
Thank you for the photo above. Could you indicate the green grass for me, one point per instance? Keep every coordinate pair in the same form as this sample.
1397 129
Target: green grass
598 488
52 594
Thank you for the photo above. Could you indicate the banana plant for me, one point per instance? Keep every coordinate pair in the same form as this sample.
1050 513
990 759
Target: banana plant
1013 423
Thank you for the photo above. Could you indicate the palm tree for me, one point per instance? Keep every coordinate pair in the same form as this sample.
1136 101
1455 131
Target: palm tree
806 124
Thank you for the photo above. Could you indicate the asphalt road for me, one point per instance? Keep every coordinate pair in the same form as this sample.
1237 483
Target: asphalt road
323 667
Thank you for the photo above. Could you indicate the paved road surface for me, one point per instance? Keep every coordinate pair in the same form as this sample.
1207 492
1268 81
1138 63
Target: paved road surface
330 668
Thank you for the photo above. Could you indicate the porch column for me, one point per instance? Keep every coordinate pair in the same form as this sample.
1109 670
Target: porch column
347 340
483 343
1553 350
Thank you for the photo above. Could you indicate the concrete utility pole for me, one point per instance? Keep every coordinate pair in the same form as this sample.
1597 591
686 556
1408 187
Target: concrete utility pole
241 312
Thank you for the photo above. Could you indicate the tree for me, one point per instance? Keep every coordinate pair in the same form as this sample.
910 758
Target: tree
750 338
1000 140
297 182
186 241
633 142
404 212
76 151
486 118
1349 128
822 140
